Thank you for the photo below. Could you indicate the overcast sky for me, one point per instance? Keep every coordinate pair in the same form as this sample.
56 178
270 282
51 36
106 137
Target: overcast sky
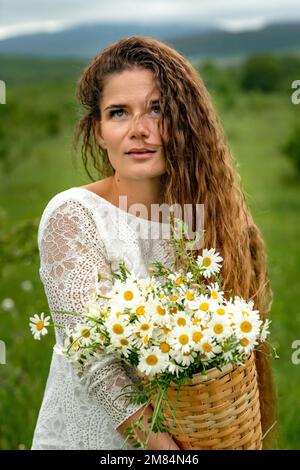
26 16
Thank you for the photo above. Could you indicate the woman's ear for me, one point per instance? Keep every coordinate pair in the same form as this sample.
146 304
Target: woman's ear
98 134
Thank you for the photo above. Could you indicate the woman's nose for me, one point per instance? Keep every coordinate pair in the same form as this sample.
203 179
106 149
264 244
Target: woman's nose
140 125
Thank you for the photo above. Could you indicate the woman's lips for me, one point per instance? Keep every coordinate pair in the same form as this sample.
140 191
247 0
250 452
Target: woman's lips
140 156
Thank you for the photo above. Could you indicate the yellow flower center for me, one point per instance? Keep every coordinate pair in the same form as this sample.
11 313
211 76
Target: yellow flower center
218 329
204 306
173 309
197 336
161 311
166 330
152 360
179 281
145 326
124 342
85 333
207 347
181 321
221 311
128 295
174 298
146 339
246 327
140 310
40 325
118 329
245 313
164 347
214 294
161 296
118 314
244 342
183 339
206 262
189 295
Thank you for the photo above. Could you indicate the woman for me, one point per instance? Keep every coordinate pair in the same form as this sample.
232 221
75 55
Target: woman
151 131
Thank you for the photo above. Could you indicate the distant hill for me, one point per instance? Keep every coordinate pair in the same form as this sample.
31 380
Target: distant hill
87 40
274 38
194 41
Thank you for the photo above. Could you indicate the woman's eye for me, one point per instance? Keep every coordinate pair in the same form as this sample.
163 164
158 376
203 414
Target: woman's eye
116 112
156 108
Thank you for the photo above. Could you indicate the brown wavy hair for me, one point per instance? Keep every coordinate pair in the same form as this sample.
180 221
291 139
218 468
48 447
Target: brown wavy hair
199 170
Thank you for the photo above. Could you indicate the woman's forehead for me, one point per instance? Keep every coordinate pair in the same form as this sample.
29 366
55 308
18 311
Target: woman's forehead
131 83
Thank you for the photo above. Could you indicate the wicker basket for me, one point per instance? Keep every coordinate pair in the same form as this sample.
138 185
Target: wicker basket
217 411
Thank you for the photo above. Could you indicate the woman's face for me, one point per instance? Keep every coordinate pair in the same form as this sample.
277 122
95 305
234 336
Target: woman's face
126 123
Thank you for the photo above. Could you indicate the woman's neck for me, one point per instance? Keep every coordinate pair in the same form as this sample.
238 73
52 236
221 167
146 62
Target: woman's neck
144 193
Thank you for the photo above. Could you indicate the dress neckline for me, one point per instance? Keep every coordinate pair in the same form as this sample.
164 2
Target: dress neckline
110 204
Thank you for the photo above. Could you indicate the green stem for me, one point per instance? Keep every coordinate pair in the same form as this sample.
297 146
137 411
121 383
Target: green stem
159 399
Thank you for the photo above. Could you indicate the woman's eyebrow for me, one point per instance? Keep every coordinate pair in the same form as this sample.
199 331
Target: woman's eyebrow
125 105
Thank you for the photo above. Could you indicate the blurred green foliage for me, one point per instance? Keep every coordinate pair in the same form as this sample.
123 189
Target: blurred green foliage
291 147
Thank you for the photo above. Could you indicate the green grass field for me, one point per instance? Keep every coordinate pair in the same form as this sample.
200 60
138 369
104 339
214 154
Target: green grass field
36 130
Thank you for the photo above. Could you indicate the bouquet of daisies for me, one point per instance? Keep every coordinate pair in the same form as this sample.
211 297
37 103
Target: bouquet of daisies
171 327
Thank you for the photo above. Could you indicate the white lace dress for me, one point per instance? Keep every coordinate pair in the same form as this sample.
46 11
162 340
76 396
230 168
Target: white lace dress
79 232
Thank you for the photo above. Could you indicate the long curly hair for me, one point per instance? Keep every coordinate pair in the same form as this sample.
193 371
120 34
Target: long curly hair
199 170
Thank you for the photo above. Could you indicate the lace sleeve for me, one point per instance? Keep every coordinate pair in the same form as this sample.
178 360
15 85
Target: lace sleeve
71 251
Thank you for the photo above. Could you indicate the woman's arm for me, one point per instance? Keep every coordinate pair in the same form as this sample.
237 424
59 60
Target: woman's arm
157 441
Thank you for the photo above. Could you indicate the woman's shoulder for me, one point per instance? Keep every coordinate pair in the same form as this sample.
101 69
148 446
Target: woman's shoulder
80 204
63 199
77 196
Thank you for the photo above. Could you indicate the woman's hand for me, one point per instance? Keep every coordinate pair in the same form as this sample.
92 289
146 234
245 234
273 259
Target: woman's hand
157 441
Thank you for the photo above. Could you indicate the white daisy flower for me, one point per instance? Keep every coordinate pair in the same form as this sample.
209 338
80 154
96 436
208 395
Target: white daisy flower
152 362
208 346
265 330
126 294
143 325
120 344
246 345
228 356
246 326
181 319
181 339
174 369
215 292
38 325
220 327
83 332
165 347
177 277
209 262
142 331
231 308
117 327
188 297
93 310
184 359
221 310
202 305
159 313
197 336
